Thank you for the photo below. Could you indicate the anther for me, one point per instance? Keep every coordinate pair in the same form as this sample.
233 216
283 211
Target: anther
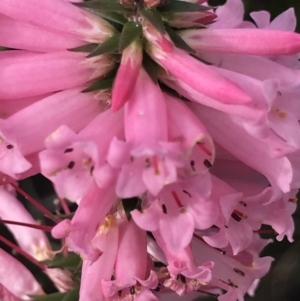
164 208
236 217
239 214
186 192
92 169
71 165
9 146
132 290
243 203
241 273
230 283
68 150
193 165
294 200
207 163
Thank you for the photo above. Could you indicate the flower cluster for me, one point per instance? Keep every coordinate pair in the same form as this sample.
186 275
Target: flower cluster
173 125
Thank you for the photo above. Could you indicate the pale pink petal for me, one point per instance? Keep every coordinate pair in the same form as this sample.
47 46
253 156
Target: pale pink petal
286 21
23 35
199 76
255 66
40 73
229 15
54 14
258 42
17 278
261 18
264 155
8 107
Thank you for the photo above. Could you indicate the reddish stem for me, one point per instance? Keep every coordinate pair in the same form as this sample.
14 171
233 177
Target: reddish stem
33 201
40 227
65 205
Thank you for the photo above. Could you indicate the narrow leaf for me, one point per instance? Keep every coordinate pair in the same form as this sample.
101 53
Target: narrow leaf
102 84
110 45
50 297
151 67
154 18
59 261
84 48
178 41
103 5
111 16
72 295
130 32
176 6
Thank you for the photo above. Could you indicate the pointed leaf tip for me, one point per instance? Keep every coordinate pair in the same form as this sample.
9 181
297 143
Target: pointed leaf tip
84 48
151 67
102 84
110 45
178 41
103 5
177 6
130 32
154 18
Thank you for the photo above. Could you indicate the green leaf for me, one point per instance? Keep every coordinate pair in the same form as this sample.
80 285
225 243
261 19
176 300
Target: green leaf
130 32
111 16
50 297
102 84
151 67
104 5
176 6
178 41
154 18
84 48
59 261
110 45
72 295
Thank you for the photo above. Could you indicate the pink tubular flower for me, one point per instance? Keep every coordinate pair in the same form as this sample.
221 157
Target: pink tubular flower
199 76
49 72
101 270
127 75
80 232
170 131
16 278
72 160
259 42
16 143
131 279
